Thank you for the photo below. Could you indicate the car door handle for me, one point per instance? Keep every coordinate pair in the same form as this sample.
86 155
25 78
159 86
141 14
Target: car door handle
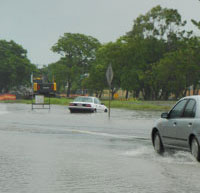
190 124
174 124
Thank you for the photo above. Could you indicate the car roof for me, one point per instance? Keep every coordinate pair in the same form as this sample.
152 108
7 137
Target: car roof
197 97
85 97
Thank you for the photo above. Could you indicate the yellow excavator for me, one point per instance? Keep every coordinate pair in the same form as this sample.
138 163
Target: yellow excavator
40 87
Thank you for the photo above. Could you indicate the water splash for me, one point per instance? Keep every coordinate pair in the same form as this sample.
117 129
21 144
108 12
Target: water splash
169 157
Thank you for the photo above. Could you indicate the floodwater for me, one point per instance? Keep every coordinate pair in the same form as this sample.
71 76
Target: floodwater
44 151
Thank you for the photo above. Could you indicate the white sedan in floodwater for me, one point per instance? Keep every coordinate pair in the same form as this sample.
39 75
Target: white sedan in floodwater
86 104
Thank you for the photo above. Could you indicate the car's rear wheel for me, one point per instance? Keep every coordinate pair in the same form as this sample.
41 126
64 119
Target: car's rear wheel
195 150
157 143
91 110
71 111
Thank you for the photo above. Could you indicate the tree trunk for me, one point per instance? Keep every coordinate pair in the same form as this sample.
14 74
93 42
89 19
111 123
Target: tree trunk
196 90
69 89
136 93
185 92
100 94
165 95
147 94
126 94
112 93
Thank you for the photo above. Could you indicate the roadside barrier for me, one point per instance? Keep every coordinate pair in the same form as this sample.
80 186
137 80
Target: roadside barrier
7 97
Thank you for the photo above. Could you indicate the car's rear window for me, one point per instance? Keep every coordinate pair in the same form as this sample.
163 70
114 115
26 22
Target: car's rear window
83 99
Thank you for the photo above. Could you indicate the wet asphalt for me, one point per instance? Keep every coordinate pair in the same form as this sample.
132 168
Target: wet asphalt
53 151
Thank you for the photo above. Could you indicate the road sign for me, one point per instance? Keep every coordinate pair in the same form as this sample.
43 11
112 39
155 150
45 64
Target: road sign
109 74
39 99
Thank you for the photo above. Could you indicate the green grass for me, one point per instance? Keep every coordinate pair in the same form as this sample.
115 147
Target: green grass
60 101
141 105
57 101
130 104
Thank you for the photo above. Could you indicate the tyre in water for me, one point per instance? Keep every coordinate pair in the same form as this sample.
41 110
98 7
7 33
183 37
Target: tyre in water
158 143
195 148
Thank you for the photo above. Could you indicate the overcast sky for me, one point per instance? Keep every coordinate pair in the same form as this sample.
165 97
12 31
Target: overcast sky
37 24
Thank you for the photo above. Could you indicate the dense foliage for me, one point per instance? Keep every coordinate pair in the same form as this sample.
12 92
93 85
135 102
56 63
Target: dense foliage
15 68
78 52
156 59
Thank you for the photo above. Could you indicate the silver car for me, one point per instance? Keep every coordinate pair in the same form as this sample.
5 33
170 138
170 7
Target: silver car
179 128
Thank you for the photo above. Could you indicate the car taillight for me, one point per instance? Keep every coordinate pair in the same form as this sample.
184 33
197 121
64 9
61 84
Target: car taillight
52 87
38 87
88 105
71 104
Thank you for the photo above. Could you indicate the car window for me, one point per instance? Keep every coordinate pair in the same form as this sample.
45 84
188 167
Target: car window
190 109
96 101
177 111
83 99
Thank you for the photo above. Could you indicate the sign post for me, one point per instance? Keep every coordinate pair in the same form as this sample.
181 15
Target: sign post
109 76
32 88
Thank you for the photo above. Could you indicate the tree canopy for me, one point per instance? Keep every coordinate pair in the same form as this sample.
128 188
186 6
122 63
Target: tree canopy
15 68
78 52
156 58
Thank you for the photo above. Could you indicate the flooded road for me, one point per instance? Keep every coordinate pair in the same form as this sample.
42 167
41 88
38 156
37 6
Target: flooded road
54 151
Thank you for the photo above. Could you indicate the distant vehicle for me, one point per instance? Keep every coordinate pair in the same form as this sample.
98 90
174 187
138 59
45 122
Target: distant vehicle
44 88
179 128
86 104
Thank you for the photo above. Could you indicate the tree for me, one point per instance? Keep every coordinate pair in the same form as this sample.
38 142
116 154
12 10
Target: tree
15 68
57 72
160 23
112 53
96 82
154 34
177 71
196 23
78 52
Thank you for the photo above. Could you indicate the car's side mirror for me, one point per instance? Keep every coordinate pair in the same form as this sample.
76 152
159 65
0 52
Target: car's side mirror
102 104
165 115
